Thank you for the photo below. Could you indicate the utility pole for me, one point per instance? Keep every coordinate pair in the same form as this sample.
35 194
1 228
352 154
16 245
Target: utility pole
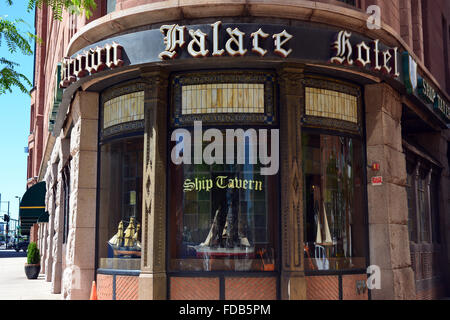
6 219
7 229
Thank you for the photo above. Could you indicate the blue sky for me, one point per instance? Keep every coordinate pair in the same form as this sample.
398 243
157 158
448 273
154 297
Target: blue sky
15 119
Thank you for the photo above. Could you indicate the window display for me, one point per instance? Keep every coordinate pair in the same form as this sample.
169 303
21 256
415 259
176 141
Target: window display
120 215
335 228
222 217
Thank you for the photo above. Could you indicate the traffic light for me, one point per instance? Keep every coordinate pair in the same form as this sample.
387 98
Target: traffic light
6 218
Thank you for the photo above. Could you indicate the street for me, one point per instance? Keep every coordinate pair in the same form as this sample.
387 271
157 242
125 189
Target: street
14 284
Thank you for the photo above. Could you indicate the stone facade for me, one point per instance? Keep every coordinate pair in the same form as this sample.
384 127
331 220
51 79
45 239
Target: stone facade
388 208
68 255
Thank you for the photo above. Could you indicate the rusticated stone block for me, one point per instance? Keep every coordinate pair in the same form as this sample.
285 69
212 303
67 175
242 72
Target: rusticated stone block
386 291
88 134
382 129
86 164
379 241
85 105
83 208
84 255
382 98
392 163
75 135
387 204
399 246
82 290
404 285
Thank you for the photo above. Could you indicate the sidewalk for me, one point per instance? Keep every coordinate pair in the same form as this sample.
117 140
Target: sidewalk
14 284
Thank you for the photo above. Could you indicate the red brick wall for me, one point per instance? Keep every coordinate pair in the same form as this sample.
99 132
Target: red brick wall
236 288
349 287
250 288
117 287
125 4
322 288
34 233
104 287
187 288
127 287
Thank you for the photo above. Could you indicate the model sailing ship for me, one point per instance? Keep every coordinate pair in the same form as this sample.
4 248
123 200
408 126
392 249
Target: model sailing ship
227 235
126 243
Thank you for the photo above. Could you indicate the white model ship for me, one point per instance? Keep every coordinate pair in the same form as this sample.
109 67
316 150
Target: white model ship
223 241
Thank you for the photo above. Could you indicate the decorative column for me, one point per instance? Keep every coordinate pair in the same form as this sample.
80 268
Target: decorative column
388 206
41 244
293 282
48 200
80 247
54 161
153 280
58 218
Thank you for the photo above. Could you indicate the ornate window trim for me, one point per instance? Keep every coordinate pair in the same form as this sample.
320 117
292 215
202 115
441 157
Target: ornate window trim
125 127
331 123
269 117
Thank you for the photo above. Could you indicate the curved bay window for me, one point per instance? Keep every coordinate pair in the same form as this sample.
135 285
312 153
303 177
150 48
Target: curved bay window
223 213
333 165
120 178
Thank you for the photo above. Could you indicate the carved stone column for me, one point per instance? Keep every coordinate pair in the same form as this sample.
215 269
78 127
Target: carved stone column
64 152
387 203
54 161
152 280
80 256
293 284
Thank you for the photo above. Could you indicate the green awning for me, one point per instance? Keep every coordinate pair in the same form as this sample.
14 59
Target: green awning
32 206
43 217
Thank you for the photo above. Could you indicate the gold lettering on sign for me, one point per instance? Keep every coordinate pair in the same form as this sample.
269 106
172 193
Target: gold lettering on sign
216 52
221 182
386 57
174 37
367 55
234 45
396 72
343 48
255 36
360 61
90 62
279 43
376 54
199 40
113 55
239 41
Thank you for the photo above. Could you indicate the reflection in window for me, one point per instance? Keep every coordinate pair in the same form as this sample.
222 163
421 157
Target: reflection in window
110 6
222 217
120 213
410 190
434 201
424 217
423 201
335 229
